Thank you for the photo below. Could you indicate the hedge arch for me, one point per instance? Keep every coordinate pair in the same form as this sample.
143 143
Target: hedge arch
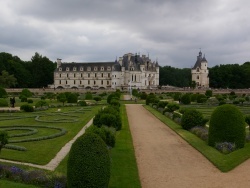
227 124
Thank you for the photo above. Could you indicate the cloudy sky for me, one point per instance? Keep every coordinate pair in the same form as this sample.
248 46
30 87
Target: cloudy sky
172 31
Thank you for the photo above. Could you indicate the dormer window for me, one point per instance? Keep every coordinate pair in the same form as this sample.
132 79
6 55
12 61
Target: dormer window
198 77
60 69
67 69
102 68
108 68
89 69
95 68
81 68
74 69
198 70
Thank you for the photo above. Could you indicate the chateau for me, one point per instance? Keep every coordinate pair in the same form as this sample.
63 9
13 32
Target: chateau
200 72
130 71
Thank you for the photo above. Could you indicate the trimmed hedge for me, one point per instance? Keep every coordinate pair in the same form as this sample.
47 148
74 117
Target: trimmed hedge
192 118
27 108
88 163
227 124
186 99
3 103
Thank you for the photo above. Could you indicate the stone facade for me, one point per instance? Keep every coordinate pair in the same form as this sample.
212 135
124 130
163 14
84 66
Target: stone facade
200 72
135 70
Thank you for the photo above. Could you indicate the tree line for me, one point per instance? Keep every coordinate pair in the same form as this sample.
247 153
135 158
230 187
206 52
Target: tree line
39 72
16 73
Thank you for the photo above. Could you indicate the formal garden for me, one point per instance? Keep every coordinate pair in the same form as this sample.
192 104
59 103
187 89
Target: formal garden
46 123
216 125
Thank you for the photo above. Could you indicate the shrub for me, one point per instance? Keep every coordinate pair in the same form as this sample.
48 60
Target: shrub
3 93
115 95
88 163
185 99
193 97
143 95
225 147
26 93
23 98
227 124
201 132
3 139
97 98
192 118
209 93
30 101
27 108
72 98
115 102
173 106
201 98
3 103
177 96
162 104
151 98
88 96
222 102
41 103
82 103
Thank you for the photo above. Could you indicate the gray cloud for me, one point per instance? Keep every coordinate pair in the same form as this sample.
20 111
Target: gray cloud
96 30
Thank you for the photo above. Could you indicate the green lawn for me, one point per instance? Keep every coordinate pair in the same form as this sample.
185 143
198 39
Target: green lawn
10 184
41 152
224 162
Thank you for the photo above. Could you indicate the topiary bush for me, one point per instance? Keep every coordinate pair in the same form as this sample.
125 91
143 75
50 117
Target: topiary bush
27 108
186 99
29 101
82 103
173 106
88 163
201 98
88 96
72 98
41 103
162 104
227 124
192 118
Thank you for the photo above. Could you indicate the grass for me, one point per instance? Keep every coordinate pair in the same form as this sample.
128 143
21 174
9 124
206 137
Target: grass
124 172
41 152
224 162
10 184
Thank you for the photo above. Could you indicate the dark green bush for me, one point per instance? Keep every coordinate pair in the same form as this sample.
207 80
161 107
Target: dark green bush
3 93
192 118
209 93
115 95
162 104
88 96
151 98
72 98
26 93
236 102
3 103
88 163
177 96
143 96
227 124
41 103
97 98
186 99
82 103
30 101
201 98
115 102
194 97
222 102
23 98
173 106
27 108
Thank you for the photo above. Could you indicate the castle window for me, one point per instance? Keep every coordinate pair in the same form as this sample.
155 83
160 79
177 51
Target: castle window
95 74
94 82
88 82
60 69
89 69
107 82
67 75
74 69
102 74
74 75
60 75
81 68
74 82
67 69
198 77
102 68
198 70
60 82
108 68
66 82
88 74
81 75
108 74
95 68
102 82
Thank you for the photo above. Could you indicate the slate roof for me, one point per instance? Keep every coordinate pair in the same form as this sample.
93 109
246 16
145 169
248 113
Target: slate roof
95 66
199 60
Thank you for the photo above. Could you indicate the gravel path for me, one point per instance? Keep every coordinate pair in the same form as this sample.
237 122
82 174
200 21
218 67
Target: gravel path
165 160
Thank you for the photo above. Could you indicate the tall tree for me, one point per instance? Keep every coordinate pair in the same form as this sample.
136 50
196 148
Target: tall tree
7 80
